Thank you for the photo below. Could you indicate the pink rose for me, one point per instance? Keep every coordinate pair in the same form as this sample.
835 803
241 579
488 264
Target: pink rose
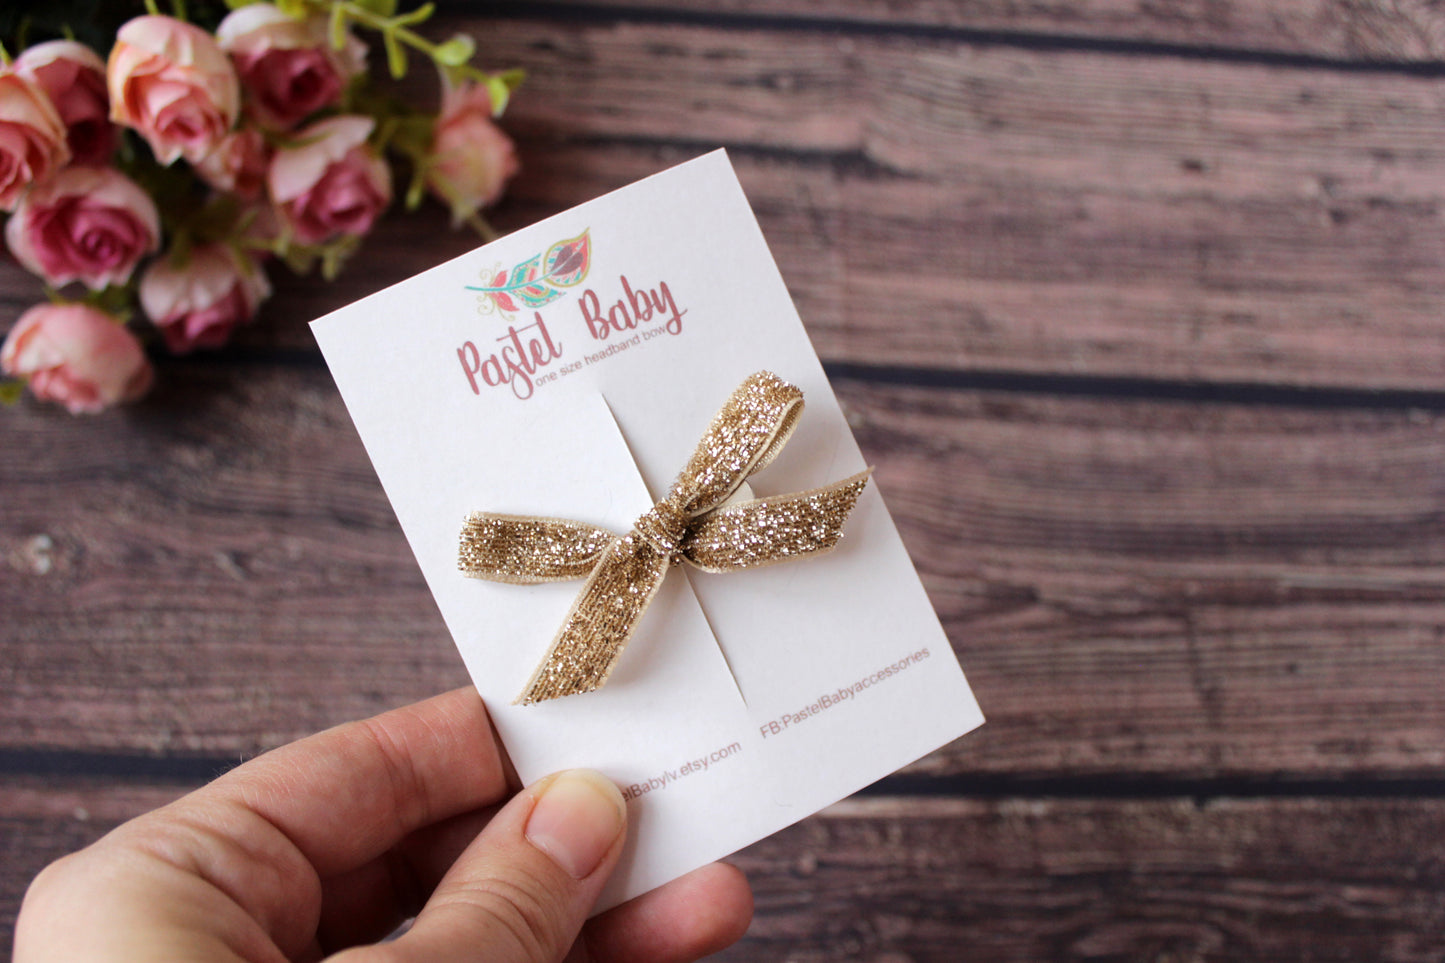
471 159
238 164
286 65
32 138
76 356
197 303
171 82
73 77
90 224
331 183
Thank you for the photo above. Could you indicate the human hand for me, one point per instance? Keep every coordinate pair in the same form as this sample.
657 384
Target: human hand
326 845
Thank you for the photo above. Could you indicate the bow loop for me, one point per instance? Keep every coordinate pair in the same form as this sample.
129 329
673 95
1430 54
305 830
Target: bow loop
752 427
692 524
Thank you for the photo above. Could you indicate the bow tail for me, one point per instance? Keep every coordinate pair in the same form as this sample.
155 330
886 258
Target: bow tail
766 531
523 549
600 622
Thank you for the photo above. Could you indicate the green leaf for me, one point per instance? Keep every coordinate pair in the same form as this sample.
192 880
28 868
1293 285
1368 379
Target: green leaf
455 51
238 4
295 9
500 87
338 27
416 190
513 78
395 55
419 15
10 391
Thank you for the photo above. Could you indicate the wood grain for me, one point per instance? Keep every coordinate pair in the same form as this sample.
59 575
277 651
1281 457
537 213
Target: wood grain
944 205
1075 880
1160 603
1151 588
1369 31
1023 879
938 204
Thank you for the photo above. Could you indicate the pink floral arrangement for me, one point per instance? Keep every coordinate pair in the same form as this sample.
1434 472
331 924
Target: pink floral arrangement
163 181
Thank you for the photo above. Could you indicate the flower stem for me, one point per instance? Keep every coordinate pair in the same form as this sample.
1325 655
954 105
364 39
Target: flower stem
388 26
485 230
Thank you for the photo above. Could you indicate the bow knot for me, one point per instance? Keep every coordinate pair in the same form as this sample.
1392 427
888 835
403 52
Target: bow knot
664 526
695 523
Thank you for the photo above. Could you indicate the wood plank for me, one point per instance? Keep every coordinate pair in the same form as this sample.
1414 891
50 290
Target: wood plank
939 205
1019 879
1321 28
1172 572
1278 880
1042 211
1152 588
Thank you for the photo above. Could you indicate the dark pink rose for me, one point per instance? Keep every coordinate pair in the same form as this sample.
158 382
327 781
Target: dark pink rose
76 356
88 224
198 302
73 77
287 66
331 183
238 165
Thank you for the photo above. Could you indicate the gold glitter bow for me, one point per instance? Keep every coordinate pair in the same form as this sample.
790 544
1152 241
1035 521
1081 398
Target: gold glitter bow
692 524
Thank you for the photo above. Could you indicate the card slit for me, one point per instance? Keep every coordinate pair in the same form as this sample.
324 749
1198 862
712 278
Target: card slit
722 650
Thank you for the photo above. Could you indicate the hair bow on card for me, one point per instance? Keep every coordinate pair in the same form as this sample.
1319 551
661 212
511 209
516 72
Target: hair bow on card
695 523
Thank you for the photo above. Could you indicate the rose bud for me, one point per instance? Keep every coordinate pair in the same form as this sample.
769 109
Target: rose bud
32 138
171 82
238 164
91 224
76 356
197 303
73 77
286 65
471 159
331 182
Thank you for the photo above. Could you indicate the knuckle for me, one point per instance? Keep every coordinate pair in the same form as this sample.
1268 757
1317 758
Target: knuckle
409 790
521 912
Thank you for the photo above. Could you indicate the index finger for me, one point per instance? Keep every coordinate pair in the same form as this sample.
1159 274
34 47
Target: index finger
347 795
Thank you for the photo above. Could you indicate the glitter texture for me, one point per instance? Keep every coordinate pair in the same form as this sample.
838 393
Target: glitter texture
624 573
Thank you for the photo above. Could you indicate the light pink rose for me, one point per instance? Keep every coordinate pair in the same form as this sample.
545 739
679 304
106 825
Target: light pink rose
32 138
171 82
331 183
91 224
197 303
287 66
471 159
73 77
76 356
238 164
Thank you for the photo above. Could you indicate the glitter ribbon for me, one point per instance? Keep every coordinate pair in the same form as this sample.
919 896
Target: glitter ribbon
696 523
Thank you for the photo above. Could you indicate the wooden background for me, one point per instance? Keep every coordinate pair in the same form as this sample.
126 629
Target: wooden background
1136 305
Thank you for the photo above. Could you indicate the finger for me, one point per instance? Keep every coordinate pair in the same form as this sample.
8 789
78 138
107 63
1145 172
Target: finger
367 903
520 892
691 917
347 795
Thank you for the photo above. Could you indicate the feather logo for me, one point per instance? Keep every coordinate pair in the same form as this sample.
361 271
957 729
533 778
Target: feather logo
539 280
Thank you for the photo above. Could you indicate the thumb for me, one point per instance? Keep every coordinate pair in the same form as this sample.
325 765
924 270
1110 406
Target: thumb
523 888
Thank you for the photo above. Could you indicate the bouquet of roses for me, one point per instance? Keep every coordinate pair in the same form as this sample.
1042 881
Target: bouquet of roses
171 174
